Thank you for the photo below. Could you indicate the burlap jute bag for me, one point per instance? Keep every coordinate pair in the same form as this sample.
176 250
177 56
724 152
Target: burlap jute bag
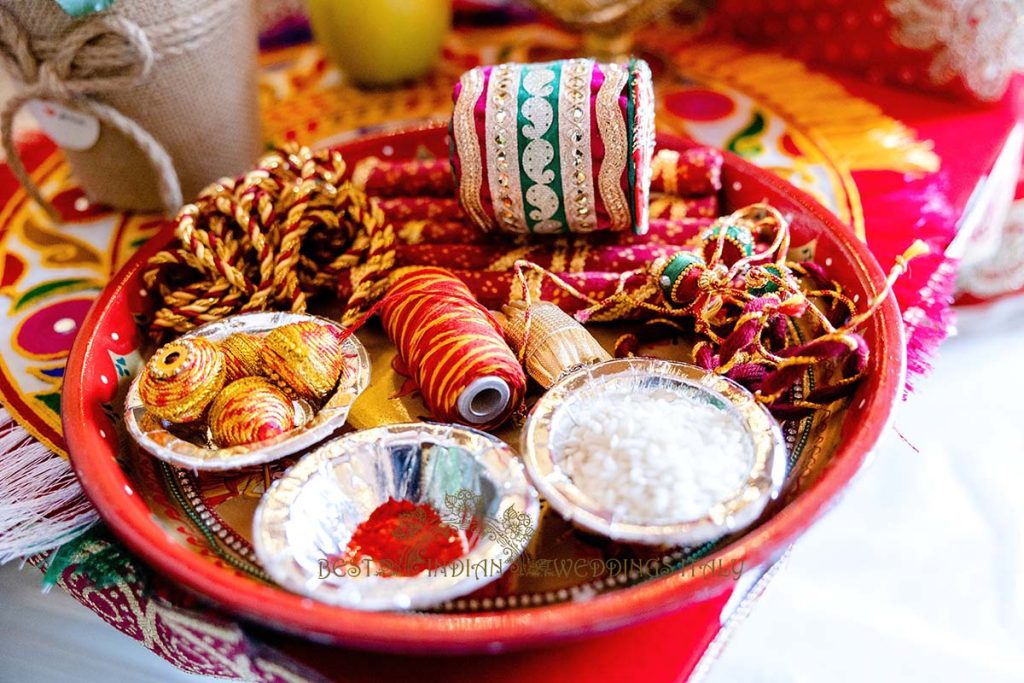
172 84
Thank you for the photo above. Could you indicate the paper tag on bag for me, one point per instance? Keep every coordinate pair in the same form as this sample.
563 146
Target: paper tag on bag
69 128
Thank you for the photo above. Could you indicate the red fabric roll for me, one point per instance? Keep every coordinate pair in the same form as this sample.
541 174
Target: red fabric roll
441 232
612 258
400 209
426 178
695 172
666 206
493 289
438 233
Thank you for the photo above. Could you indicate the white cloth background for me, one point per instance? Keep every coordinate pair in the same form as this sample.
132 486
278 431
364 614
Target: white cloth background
918 573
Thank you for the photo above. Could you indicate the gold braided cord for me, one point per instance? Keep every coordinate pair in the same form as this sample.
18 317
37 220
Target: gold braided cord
270 239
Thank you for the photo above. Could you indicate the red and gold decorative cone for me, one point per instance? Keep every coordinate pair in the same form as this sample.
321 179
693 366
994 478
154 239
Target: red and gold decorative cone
181 379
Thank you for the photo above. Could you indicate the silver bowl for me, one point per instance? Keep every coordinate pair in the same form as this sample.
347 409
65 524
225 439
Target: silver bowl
473 480
193 448
552 413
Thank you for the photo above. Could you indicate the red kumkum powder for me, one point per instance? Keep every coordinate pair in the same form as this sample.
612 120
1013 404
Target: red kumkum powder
405 538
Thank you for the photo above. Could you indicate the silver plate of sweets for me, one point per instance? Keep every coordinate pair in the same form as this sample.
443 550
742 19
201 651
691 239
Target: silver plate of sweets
652 451
402 516
246 390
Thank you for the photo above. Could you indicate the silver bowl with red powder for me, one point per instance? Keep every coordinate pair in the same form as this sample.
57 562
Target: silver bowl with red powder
438 511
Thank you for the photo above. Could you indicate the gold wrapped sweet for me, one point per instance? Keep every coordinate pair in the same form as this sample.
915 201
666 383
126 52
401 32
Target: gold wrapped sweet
241 355
249 410
555 343
305 359
181 379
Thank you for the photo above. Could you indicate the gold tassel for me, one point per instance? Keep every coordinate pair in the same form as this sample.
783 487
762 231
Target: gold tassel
549 342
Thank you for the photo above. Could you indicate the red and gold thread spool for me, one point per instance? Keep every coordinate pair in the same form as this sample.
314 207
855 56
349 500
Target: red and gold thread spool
181 379
453 347
249 410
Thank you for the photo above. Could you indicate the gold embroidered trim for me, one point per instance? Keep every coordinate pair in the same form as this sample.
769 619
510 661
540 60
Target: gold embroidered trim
643 144
611 123
574 140
468 146
982 42
502 145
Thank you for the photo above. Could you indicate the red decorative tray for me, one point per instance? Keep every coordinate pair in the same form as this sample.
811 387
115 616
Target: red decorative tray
194 529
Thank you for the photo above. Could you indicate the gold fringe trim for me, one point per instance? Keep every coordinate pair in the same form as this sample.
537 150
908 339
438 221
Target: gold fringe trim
857 131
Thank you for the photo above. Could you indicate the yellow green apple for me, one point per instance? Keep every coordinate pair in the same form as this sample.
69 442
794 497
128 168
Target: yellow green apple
381 42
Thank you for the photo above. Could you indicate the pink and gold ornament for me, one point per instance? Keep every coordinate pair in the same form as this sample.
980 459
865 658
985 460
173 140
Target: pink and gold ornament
249 410
679 276
182 378
740 299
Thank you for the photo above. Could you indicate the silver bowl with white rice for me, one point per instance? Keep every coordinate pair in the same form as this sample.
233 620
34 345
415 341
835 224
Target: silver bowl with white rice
652 451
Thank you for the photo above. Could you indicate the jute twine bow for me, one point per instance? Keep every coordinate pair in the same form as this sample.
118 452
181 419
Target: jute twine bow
100 55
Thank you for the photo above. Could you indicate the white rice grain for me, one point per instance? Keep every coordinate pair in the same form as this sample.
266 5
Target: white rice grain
655 457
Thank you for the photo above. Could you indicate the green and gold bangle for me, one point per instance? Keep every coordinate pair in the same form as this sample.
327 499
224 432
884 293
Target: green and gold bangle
554 147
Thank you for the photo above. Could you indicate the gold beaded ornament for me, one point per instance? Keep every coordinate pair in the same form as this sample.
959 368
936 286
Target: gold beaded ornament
241 355
305 359
182 378
249 410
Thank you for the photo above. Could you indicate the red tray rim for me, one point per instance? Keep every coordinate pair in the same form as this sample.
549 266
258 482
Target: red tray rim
110 491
